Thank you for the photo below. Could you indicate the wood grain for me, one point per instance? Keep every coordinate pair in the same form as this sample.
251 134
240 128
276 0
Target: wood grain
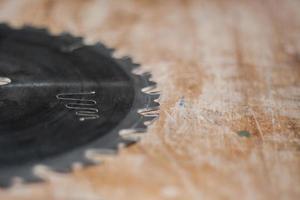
222 67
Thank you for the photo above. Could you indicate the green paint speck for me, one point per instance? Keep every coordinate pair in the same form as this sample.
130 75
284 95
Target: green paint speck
244 134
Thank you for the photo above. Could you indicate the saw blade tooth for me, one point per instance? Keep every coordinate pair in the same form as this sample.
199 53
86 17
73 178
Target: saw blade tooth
149 116
102 49
132 134
128 63
80 164
29 176
139 125
146 82
66 165
69 36
151 89
149 113
71 165
148 109
25 175
150 119
61 168
98 155
147 75
153 104
89 153
138 71
125 143
17 181
32 178
126 131
77 166
72 42
36 29
154 96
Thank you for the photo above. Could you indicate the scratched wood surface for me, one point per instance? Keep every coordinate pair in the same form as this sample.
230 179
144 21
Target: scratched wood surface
229 75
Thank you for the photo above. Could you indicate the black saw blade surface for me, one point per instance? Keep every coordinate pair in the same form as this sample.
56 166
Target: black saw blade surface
59 97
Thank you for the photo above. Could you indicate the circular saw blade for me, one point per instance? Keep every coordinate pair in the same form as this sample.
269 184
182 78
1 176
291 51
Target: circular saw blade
60 98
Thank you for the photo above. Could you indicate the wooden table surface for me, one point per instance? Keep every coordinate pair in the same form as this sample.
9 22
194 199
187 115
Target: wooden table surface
229 75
